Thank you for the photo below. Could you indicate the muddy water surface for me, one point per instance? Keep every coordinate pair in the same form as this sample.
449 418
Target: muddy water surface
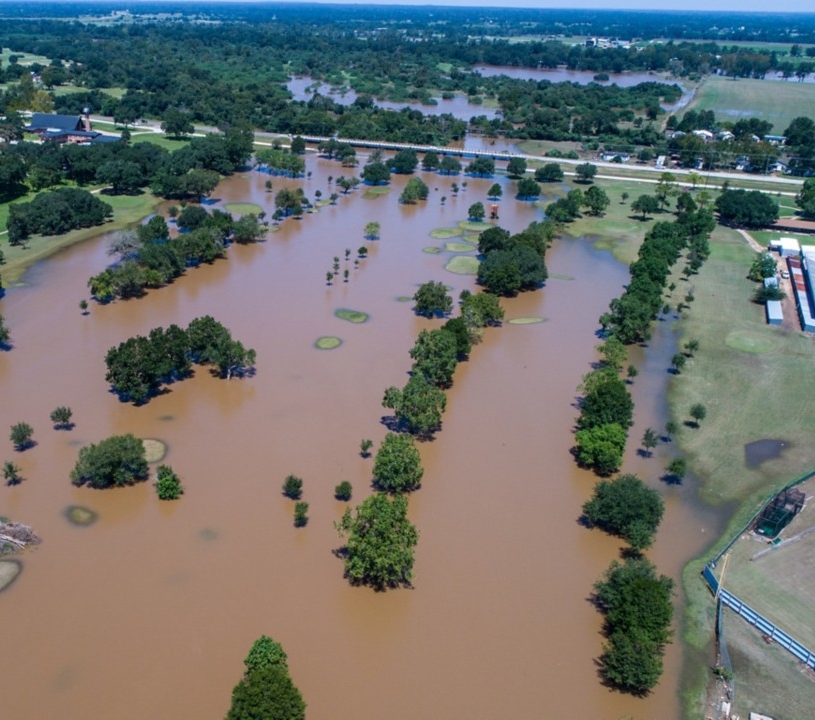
149 612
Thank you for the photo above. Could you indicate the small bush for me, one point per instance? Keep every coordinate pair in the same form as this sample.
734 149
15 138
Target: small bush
343 491
168 484
301 514
293 487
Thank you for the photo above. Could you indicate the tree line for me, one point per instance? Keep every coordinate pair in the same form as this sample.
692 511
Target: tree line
189 172
138 367
148 257
379 538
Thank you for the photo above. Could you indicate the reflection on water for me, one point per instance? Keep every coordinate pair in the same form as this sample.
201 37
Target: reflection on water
498 624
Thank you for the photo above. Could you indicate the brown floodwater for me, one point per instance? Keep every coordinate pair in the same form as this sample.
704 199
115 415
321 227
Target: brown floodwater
149 612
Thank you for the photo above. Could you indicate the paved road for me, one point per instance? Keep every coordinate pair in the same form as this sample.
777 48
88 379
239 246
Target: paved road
155 126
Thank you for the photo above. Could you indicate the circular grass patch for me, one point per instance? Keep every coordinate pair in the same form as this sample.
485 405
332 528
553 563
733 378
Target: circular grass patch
374 192
749 342
527 320
476 227
327 342
354 316
9 570
431 250
462 265
404 298
81 516
154 450
458 247
243 208
445 233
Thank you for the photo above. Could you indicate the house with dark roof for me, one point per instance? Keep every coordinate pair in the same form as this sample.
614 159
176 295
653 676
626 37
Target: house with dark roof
66 129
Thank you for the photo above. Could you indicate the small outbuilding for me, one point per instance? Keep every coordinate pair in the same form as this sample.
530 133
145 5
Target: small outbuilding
787 247
775 313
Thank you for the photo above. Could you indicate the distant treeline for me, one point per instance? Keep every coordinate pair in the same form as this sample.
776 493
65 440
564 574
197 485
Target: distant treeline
769 26
231 72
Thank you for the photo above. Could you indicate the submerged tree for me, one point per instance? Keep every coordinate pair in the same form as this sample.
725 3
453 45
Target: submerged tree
266 690
626 507
432 299
168 484
61 417
397 467
21 434
119 460
380 542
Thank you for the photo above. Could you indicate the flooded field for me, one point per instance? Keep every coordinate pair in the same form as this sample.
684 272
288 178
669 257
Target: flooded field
149 612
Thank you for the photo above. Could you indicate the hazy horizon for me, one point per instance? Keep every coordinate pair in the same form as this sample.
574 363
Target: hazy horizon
734 6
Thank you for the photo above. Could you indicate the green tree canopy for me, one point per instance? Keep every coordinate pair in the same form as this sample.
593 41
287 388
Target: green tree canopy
596 200
435 356
528 188
267 694
432 300
626 507
177 123
113 462
551 172
404 162
764 266
746 208
265 653
397 466
415 190
608 402
637 606
481 167
476 211
585 172
516 167
645 205
380 542
601 447
376 173
418 406
806 198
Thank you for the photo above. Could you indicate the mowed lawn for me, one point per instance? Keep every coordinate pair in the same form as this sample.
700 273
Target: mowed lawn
777 101
779 584
768 680
756 382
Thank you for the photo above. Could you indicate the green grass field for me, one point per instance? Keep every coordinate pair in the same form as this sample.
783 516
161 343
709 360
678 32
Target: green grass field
617 230
127 209
159 140
23 58
767 679
779 584
749 396
775 101
117 92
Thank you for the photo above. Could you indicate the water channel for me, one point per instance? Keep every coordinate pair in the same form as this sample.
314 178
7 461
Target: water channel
149 612
303 88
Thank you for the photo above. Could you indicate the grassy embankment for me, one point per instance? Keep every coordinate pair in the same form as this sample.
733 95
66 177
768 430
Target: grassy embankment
755 381
127 209
776 101
749 396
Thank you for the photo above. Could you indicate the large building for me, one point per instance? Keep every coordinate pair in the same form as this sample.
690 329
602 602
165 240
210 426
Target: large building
66 129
